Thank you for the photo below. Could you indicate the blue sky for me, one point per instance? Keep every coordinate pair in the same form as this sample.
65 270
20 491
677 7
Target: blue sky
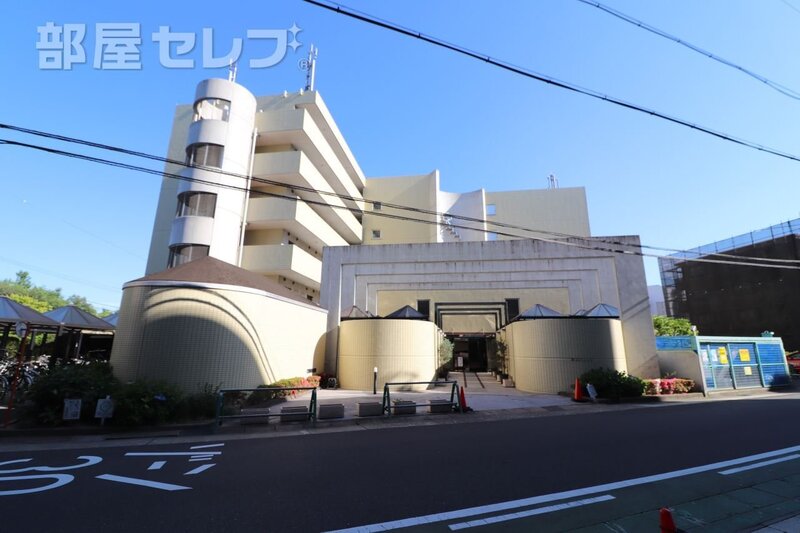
406 107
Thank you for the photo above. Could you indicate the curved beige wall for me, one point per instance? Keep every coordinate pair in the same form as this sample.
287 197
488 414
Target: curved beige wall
546 355
403 350
233 339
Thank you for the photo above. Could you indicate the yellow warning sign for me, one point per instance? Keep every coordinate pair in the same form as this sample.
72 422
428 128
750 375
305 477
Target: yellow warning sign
748 371
744 355
723 355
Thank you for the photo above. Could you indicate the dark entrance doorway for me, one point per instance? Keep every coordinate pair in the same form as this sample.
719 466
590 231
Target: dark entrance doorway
472 351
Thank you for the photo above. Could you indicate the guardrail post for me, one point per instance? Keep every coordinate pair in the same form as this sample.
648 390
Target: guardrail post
386 405
220 396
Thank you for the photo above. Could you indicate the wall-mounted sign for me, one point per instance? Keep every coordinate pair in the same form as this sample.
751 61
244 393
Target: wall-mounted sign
744 355
723 355
674 343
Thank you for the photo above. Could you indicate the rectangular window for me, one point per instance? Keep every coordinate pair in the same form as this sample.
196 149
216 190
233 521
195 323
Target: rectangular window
183 253
424 307
377 206
491 236
196 204
212 109
491 210
512 305
376 234
205 155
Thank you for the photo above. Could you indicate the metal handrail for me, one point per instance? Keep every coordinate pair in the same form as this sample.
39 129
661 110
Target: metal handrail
386 403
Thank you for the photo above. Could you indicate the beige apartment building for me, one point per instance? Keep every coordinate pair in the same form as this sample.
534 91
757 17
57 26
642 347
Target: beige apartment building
269 185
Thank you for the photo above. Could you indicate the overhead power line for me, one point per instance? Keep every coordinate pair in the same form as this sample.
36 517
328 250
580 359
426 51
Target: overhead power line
625 248
786 91
416 210
505 65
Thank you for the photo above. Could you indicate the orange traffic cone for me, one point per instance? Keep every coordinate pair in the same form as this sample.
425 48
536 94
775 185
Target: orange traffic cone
578 394
666 522
463 400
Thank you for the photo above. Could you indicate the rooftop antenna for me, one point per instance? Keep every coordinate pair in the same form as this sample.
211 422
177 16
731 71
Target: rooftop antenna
552 182
311 65
232 71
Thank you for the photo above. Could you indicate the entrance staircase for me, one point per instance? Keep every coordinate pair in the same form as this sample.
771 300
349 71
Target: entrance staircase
478 382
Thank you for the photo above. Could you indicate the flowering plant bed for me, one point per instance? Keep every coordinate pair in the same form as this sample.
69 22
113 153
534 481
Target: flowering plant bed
668 386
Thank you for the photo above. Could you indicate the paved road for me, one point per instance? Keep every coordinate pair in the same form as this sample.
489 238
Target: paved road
328 481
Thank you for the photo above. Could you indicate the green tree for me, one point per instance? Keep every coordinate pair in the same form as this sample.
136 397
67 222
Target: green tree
81 303
30 301
664 326
39 298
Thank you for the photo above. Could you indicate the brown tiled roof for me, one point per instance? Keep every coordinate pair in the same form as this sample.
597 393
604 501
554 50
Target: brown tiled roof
211 270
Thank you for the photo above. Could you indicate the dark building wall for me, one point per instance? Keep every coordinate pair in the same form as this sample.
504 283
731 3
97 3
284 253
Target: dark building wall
739 300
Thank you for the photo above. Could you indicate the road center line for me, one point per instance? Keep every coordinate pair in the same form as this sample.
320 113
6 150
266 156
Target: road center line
575 493
207 446
532 512
758 465
143 482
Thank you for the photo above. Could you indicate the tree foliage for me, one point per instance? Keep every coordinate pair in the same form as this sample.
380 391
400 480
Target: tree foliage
41 299
665 326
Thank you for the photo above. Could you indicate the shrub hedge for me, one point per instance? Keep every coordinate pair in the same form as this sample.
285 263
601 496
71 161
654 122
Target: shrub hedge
142 402
613 384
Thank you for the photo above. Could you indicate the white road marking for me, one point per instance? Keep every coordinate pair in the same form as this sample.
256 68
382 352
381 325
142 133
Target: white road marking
556 496
143 482
151 454
759 465
201 458
156 465
90 460
201 468
60 480
207 446
532 512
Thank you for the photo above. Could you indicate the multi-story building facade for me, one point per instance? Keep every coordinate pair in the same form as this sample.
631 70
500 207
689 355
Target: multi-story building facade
735 299
270 181
271 199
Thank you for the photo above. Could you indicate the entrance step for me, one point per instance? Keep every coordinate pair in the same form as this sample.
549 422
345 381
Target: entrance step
478 382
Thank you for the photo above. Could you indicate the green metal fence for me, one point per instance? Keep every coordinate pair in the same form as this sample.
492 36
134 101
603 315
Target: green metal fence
312 407
386 404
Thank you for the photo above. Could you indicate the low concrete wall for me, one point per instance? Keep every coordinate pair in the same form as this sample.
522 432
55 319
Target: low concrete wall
683 364
546 355
403 350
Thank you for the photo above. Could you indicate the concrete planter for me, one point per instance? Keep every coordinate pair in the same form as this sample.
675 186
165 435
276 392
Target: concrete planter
369 409
330 410
440 406
404 407
508 383
254 416
294 414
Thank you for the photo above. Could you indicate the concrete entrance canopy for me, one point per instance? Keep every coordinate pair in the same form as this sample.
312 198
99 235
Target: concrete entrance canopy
569 276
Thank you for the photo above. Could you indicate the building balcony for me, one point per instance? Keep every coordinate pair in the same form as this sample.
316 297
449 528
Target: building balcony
287 260
298 128
294 168
295 217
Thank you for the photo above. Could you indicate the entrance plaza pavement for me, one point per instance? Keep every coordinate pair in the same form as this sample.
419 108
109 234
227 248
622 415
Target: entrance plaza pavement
764 499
